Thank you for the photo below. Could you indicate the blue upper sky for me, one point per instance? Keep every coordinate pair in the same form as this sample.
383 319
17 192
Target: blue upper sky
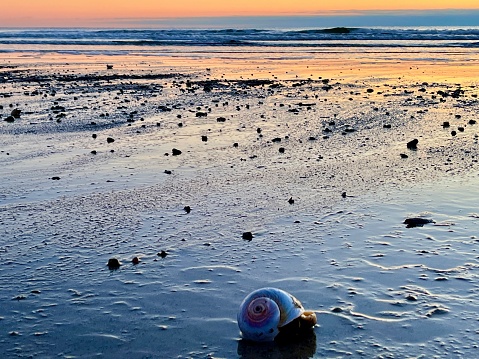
456 18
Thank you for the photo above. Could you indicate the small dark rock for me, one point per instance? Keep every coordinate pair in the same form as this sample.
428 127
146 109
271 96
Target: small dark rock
235 144
135 260
337 310
16 113
453 133
387 125
113 263
201 114
110 140
277 139
221 119
446 124
94 135
403 155
204 138
55 178
168 172
247 236
417 222
472 122
109 67
281 150
344 195
291 200
162 254
93 152
176 152
187 209
460 129
9 119
412 145
258 130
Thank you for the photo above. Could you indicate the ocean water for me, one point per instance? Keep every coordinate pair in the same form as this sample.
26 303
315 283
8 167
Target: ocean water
156 41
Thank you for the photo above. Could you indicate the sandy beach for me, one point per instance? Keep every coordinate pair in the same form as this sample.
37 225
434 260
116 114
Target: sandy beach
321 157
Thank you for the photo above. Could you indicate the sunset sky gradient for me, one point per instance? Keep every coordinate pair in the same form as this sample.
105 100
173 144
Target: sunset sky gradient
33 13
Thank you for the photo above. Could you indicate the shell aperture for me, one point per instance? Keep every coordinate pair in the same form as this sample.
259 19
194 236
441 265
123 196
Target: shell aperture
265 311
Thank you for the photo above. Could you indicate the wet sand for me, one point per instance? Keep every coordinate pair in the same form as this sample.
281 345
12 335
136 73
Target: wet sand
90 173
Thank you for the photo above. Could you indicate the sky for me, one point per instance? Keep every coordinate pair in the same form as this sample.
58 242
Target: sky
108 13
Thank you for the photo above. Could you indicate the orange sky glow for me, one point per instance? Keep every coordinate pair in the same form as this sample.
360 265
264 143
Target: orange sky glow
78 12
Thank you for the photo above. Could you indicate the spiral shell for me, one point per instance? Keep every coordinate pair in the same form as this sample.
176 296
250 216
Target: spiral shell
264 311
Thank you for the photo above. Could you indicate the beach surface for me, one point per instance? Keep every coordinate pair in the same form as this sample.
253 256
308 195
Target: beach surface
170 160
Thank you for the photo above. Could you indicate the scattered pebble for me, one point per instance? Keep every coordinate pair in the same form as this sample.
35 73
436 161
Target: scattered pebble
412 145
247 236
113 264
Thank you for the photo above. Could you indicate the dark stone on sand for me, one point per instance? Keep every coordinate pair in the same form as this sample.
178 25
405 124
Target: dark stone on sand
403 155
168 172
458 116
16 113
453 133
386 126
94 135
93 152
9 119
411 298
247 236
235 144
417 222
221 119
110 140
201 114
312 138
369 90
187 209
135 260
281 150
55 178
446 124
258 130
277 139
344 195
204 138
412 145
113 263
291 200
175 152
472 122
162 254
337 310
109 67
460 129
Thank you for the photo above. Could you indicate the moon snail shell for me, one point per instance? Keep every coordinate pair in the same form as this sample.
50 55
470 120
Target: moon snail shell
267 312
